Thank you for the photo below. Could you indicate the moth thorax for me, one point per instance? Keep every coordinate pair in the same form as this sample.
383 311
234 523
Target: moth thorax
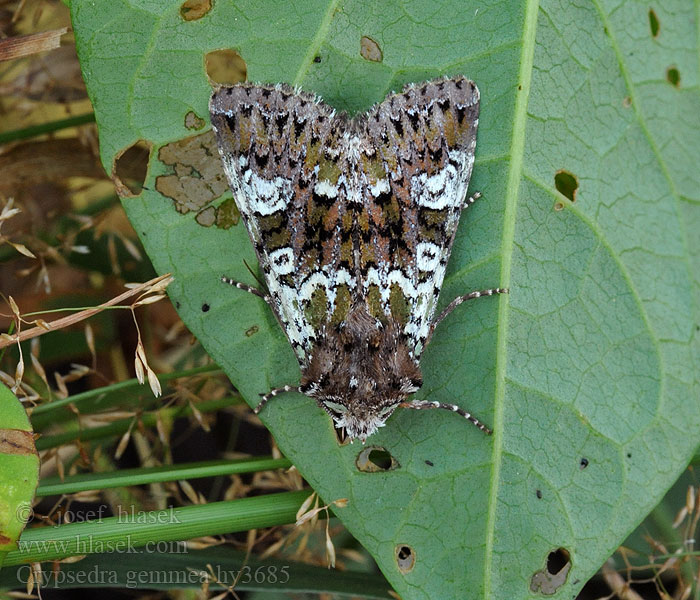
360 371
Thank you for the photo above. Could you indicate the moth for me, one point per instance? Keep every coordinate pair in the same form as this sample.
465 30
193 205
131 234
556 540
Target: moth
353 221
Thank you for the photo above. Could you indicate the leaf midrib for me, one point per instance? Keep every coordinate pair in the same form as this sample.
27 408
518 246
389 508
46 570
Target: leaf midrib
316 42
517 150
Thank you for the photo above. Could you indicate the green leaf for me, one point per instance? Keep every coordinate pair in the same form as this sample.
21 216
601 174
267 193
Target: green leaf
19 470
586 158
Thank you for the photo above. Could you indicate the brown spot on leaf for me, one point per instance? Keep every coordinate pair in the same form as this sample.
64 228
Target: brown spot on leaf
130 169
370 50
198 176
17 441
191 10
192 121
206 217
673 76
227 215
252 330
653 23
225 67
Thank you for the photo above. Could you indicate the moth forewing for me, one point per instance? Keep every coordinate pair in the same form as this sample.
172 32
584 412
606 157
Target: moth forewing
353 222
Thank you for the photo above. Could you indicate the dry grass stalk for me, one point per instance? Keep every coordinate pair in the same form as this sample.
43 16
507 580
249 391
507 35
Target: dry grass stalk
26 45
150 286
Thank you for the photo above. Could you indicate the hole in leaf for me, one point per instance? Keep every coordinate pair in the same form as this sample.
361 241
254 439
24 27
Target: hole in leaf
538 493
583 463
653 23
252 330
430 463
191 10
340 434
566 184
131 168
405 558
225 67
673 76
317 58
557 560
370 50
205 307
548 580
375 459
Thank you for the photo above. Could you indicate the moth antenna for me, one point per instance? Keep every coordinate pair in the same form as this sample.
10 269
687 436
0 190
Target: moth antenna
459 300
451 407
255 276
272 393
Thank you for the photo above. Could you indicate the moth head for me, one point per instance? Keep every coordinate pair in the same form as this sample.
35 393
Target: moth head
363 406
357 423
360 371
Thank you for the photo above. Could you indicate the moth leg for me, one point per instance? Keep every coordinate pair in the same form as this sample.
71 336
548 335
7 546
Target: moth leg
272 393
467 202
247 288
456 302
452 407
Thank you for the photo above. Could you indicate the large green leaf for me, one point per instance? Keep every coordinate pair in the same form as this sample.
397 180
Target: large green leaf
587 372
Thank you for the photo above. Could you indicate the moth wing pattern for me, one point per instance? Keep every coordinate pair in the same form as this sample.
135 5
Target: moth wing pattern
426 138
272 140
353 221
